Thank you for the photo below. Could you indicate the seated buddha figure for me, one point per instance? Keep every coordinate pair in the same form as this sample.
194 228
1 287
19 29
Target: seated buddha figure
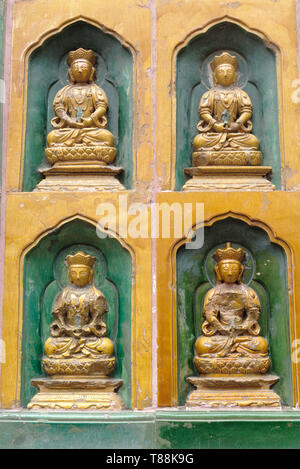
225 112
80 109
231 340
78 331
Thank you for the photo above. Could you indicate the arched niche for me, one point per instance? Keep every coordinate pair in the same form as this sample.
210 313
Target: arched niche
47 73
258 63
265 272
45 274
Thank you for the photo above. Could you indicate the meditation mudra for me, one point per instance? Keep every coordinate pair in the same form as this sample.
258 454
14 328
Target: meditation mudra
80 115
77 342
231 342
225 127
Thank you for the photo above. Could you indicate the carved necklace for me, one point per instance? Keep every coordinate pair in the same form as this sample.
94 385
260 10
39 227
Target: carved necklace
77 304
226 100
83 103
78 96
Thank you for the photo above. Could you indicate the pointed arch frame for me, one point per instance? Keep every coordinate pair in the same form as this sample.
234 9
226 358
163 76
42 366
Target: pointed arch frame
173 255
182 44
25 63
22 257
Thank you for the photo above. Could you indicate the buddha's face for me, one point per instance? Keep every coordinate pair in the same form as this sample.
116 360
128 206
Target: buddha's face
225 75
230 270
80 275
81 71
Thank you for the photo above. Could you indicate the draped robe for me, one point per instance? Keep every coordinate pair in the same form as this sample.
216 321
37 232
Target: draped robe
89 98
232 305
215 102
78 328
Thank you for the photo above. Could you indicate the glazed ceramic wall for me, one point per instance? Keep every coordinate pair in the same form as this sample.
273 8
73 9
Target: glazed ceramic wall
265 271
45 275
150 56
48 72
257 75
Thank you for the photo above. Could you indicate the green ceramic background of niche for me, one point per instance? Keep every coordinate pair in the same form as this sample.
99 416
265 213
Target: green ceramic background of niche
46 66
38 275
261 87
269 282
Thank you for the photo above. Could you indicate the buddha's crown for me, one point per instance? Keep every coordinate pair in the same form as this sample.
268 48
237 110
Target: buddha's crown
81 54
229 253
81 259
224 58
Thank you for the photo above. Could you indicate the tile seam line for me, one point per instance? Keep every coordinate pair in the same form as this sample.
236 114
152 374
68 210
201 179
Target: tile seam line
152 5
7 41
298 33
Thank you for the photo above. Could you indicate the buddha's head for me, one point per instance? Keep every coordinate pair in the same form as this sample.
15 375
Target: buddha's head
230 271
80 269
224 69
82 68
229 268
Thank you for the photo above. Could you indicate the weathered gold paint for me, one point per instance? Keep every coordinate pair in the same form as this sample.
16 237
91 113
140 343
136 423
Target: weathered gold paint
225 113
174 31
41 19
230 345
41 214
266 210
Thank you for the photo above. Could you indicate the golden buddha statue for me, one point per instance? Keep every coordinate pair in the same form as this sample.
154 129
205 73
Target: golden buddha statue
226 154
230 329
231 355
78 355
80 148
78 330
80 110
225 127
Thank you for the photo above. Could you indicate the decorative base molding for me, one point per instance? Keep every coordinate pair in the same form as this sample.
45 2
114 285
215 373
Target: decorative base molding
233 391
232 365
79 367
88 176
81 153
227 157
76 394
228 178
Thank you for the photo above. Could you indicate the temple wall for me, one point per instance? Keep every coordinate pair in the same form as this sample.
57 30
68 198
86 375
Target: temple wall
158 279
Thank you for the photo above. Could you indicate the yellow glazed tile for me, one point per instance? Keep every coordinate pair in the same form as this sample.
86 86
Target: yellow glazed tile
274 22
28 220
268 211
35 21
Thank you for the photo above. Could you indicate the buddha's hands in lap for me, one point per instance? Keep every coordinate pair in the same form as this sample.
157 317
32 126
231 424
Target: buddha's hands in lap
69 122
88 122
219 127
86 329
234 127
251 327
223 329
